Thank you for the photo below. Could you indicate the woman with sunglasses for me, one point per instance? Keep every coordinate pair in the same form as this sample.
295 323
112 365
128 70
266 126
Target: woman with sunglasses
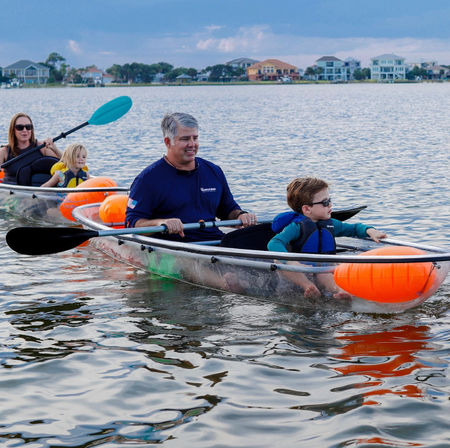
21 139
310 229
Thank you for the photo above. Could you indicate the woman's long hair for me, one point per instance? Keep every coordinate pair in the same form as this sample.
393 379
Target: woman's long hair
12 140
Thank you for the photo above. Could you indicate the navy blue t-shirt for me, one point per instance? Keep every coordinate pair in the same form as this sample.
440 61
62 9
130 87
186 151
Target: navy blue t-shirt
162 191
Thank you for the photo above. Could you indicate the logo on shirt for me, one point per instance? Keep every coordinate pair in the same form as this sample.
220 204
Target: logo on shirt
131 203
207 190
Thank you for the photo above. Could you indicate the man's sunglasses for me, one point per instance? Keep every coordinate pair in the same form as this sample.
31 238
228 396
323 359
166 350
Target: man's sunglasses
21 127
325 202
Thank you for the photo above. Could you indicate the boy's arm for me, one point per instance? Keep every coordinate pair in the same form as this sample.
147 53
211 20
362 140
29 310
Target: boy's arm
359 230
281 240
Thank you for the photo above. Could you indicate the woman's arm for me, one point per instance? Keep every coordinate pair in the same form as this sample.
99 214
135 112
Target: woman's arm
3 154
50 149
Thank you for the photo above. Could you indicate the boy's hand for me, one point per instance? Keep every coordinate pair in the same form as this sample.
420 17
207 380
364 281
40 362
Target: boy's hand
375 234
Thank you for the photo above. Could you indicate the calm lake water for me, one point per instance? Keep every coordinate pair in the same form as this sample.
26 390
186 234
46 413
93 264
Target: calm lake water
95 353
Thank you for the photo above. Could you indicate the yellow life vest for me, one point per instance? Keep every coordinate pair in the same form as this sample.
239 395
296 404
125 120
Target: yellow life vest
68 179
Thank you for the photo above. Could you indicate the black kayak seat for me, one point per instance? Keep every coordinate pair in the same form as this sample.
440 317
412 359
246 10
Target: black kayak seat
252 238
37 172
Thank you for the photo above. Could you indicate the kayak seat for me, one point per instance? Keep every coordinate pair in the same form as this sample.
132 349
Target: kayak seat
36 173
253 238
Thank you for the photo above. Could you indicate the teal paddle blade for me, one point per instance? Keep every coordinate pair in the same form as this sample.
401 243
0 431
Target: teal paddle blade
111 111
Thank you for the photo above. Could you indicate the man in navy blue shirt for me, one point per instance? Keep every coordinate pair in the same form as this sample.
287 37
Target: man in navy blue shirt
182 188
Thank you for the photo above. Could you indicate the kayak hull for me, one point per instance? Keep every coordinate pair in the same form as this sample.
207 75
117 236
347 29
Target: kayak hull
39 204
231 270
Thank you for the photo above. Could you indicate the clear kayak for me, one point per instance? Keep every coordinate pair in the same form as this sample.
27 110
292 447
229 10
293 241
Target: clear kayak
41 204
389 277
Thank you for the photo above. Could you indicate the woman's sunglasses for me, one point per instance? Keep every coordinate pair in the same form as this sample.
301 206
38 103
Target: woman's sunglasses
21 127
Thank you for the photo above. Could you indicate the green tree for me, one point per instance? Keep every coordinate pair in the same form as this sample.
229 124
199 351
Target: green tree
366 73
223 73
116 71
310 72
164 67
55 62
3 78
416 73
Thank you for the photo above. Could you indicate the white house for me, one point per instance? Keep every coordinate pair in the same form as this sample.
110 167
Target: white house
241 62
333 69
387 67
27 72
92 75
351 65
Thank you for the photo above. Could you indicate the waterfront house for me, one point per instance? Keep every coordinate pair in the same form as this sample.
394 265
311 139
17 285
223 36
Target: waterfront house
107 78
93 76
158 78
272 70
183 78
351 65
203 77
241 63
332 69
387 67
431 70
27 72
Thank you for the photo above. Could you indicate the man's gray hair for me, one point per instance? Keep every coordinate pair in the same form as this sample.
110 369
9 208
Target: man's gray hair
170 123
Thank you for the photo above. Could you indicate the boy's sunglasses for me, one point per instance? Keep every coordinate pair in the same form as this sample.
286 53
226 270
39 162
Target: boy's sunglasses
325 202
21 127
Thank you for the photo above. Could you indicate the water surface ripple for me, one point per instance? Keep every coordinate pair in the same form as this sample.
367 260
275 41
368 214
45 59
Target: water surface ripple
95 353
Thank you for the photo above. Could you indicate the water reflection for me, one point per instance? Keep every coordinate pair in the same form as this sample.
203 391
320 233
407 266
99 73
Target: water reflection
379 357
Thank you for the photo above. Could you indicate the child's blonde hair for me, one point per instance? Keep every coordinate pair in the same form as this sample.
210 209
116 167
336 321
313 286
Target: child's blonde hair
69 157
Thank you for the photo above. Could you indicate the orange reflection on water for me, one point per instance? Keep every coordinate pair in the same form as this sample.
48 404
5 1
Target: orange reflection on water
397 347
380 441
382 355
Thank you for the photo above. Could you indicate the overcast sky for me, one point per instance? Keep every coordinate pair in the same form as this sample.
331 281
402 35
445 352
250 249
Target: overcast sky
198 33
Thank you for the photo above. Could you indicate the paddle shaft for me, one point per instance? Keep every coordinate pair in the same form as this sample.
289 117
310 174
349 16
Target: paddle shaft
163 228
50 240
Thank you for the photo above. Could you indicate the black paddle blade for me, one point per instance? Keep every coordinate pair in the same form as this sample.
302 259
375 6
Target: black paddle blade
46 240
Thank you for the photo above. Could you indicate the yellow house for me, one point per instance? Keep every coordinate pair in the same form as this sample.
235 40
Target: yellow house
272 70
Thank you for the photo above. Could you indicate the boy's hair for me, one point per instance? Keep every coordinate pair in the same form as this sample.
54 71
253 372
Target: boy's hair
70 154
301 191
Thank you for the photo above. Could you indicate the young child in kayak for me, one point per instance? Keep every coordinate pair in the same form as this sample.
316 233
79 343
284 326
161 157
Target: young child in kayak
71 170
310 229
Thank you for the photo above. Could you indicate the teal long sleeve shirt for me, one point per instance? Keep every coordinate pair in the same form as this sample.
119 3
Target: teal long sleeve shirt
292 232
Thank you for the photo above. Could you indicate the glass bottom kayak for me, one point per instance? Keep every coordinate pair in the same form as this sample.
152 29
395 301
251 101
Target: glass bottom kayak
41 204
264 274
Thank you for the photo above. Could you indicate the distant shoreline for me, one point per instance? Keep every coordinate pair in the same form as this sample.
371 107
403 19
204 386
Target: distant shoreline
233 83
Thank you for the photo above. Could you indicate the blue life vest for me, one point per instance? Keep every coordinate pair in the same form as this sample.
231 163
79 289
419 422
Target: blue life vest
316 237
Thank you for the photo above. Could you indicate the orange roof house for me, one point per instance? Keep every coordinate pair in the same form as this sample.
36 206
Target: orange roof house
272 70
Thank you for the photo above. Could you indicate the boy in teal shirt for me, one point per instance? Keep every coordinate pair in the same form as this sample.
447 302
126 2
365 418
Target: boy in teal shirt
310 229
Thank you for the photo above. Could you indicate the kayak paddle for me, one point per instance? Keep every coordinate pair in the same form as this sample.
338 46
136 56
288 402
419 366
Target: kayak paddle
110 111
50 240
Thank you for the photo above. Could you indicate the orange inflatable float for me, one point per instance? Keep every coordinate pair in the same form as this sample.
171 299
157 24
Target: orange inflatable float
112 209
387 282
2 175
73 200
